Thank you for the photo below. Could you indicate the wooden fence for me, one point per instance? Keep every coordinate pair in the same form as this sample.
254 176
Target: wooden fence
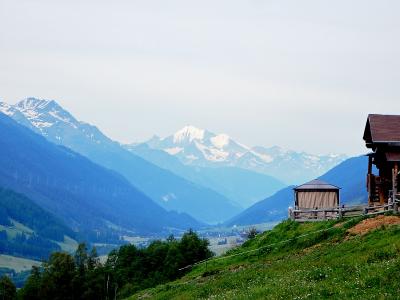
309 215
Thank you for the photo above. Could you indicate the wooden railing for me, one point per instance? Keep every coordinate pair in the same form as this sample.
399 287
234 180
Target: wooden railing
309 215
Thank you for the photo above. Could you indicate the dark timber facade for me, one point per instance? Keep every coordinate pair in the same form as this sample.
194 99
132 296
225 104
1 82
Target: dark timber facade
382 135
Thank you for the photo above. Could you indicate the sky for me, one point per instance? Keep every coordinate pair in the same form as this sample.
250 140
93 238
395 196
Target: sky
303 75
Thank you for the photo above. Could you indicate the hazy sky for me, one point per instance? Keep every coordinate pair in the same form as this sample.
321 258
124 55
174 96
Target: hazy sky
299 74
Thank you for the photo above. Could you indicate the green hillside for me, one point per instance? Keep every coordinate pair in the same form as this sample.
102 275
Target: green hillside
28 231
356 259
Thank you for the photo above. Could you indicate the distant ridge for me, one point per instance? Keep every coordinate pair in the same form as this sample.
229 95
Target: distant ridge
202 148
243 186
98 203
172 192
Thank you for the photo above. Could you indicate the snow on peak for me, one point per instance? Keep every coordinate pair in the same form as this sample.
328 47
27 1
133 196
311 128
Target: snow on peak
220 141
45 113
190 133
173 151
34 103
193 144
202 148
6 108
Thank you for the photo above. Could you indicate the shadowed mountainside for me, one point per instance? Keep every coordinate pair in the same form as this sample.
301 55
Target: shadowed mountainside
172 192
86 196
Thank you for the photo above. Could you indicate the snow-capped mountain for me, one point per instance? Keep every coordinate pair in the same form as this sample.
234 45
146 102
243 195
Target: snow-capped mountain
49 119
199 147
169 190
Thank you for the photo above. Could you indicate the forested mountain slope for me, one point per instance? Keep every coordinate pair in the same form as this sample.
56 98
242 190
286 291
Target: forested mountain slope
28 230
48 118
89 198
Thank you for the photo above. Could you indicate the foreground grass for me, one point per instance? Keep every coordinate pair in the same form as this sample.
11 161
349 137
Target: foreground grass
323 264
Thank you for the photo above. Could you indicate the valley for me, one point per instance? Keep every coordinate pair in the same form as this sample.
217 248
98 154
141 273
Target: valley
199 150
66 188
57 161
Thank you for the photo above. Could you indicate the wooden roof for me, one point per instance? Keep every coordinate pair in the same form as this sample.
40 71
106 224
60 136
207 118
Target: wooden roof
382 129
316 184
392 156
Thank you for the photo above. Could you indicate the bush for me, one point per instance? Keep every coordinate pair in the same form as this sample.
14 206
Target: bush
252 233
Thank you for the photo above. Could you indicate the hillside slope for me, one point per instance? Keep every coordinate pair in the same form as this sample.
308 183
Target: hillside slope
272 209
349 260
86 196
350 175
28 230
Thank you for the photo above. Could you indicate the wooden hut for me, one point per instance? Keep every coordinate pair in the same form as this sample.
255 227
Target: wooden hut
382 135
316 194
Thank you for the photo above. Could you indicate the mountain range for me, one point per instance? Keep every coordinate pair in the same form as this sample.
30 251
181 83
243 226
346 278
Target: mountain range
95 201
211 177
242 186
243 174
202 148
64 181
57 125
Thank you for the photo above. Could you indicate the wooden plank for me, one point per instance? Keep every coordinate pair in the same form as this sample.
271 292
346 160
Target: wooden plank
317 215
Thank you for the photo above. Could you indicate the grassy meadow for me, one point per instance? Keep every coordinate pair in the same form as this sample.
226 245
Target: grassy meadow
352 259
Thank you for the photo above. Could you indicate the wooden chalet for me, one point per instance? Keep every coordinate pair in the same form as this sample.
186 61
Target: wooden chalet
382 135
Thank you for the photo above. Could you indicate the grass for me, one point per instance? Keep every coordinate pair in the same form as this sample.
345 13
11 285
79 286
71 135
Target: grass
16 228
21 227
16 263
69 245
326 264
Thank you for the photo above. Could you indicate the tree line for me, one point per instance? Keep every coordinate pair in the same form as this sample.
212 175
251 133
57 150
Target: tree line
30 246
127 270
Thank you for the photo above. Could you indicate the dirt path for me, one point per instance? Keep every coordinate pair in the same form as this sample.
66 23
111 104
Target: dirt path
374 223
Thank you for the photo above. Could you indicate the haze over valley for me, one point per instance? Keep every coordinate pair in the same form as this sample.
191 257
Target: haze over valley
111 193
199 149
